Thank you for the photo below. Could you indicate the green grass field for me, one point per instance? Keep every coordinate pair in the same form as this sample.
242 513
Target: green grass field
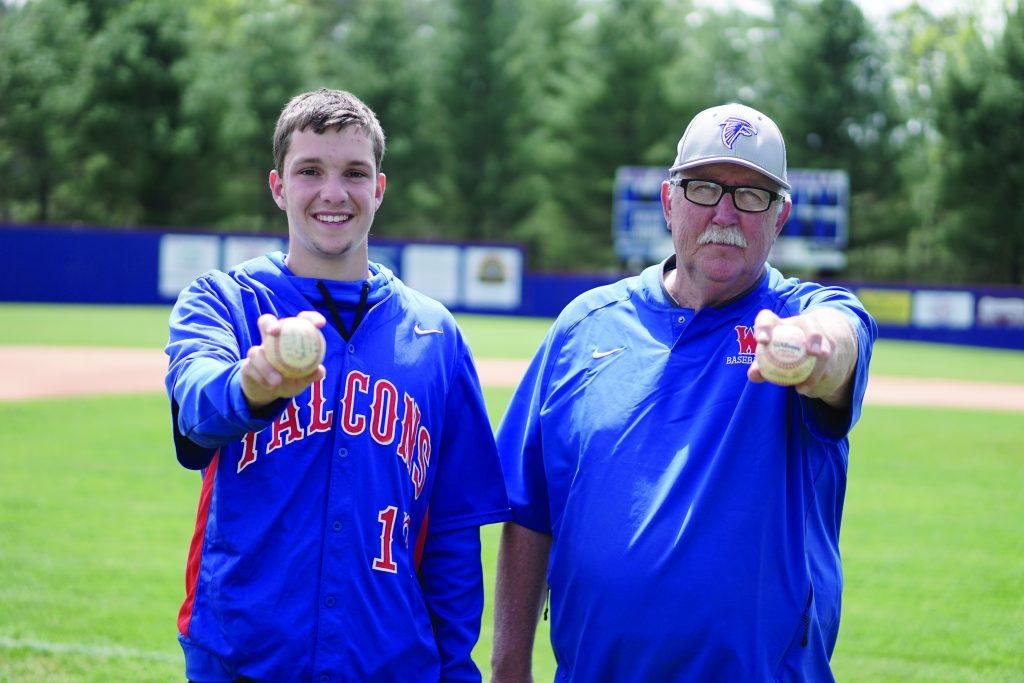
95 518
491 337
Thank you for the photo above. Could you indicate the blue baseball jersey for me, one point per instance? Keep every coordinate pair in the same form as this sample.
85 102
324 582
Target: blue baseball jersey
694 514
314 514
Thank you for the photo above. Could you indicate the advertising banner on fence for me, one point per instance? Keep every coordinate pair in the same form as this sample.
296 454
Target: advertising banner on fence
183 258
492 277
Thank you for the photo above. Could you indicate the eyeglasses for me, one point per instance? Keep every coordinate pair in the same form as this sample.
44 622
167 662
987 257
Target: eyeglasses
708 193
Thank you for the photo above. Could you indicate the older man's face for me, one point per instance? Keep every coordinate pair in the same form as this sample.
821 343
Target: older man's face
719 249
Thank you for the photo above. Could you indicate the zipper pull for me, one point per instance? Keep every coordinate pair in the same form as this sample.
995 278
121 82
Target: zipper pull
806 618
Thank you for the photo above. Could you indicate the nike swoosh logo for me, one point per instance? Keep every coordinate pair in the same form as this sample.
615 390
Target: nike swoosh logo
420 331
602 354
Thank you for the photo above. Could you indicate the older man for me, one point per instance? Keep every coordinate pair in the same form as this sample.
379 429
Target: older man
684 512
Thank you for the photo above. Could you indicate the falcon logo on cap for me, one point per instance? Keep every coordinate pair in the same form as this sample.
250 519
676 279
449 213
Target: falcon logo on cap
733 128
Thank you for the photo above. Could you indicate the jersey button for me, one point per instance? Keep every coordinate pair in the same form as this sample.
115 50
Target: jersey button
342 452
336 526
329 601
682 318
351 348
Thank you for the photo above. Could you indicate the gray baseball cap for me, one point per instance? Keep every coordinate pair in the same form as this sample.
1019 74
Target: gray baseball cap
733 133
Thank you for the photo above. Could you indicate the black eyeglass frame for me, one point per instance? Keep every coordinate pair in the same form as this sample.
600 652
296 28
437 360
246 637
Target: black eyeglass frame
726 190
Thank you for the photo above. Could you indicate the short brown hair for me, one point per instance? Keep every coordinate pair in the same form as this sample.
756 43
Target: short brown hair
323 109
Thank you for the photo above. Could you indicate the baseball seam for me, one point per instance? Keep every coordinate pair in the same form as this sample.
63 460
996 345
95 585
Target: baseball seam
786 365
291 367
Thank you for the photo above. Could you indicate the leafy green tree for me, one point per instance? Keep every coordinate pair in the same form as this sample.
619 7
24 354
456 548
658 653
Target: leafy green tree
99 12
134 160
919 45
41 45
832 98
391 62
624 117
478 96
833 94
722 60
545 56
246 60
508 120
983 155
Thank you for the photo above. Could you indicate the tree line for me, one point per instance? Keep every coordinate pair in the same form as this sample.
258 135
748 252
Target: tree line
506 120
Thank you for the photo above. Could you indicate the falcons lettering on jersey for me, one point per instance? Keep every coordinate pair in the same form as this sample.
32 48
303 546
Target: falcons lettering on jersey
366 406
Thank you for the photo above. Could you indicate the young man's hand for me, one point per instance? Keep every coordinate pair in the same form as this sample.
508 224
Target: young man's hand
262 384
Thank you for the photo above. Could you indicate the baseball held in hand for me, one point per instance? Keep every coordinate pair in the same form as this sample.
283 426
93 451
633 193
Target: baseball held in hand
298 350
784 359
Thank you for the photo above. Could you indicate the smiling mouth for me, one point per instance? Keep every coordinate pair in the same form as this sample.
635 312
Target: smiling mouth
333 219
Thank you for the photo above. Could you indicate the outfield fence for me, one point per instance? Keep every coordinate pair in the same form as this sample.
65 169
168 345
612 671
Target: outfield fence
67 264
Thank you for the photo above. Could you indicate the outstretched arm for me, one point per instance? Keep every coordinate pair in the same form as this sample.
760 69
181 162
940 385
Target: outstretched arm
217 392
831 339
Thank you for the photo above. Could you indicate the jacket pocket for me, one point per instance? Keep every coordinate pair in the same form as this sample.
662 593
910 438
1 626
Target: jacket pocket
798 643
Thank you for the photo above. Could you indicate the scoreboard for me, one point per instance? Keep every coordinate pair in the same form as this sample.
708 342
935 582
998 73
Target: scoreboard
638 225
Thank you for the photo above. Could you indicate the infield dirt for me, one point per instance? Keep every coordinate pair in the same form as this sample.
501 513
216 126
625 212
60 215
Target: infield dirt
37 372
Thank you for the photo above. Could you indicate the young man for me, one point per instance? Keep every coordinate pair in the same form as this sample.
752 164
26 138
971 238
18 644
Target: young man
337 536
683 513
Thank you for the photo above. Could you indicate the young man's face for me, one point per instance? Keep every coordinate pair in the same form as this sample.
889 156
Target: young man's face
330 189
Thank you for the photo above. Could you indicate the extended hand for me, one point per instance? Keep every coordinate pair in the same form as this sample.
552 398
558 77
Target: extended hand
831 340
262 384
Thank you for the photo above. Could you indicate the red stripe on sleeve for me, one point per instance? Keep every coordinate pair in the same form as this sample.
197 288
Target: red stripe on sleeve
195 550
421 540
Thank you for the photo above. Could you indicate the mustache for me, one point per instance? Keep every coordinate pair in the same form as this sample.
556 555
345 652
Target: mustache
729 234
